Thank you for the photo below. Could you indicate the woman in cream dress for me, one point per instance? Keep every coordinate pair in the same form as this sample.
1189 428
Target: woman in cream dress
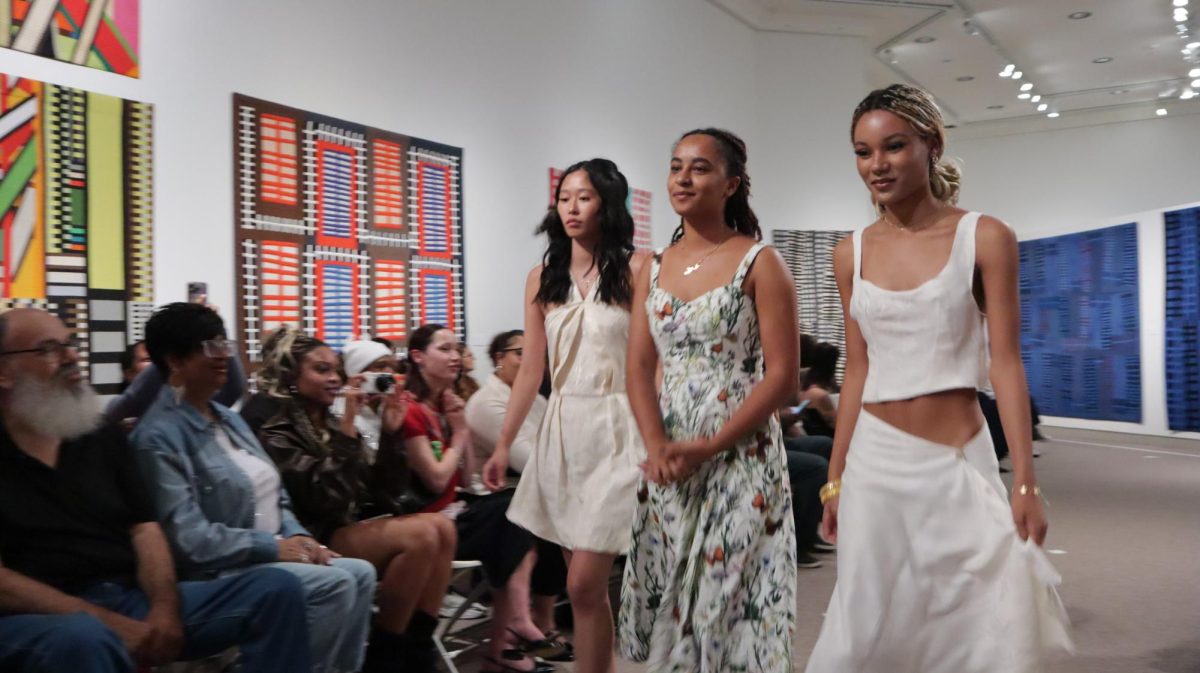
579 488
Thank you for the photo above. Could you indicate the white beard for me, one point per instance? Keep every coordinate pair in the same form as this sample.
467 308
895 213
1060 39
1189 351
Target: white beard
55 408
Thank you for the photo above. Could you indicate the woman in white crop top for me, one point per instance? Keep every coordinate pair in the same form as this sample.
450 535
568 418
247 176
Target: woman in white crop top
937 572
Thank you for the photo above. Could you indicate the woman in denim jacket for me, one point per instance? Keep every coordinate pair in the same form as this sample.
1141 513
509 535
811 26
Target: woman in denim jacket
220 498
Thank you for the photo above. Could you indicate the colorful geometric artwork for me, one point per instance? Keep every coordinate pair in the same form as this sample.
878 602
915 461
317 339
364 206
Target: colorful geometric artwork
345 230
1183 319
100 34
809 257
1080 328
639 207
76 215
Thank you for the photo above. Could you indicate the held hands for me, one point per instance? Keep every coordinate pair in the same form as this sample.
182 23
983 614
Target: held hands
677 461
1029 516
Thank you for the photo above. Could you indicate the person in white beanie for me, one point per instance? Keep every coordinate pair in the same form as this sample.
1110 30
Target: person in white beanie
367 357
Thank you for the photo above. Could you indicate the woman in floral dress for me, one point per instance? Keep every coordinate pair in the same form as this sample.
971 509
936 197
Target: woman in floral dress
710 581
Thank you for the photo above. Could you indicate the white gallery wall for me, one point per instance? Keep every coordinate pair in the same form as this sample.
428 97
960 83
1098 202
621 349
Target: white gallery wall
1071 180
521 86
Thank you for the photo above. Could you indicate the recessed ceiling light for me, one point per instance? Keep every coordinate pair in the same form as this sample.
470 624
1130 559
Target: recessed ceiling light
1079 15
1118 92
1042 107
1036 98
1194 72
1018 75
965 78
1196 84
1181 14
1181 3
924 40
1027 86
1052 115
1161 112
1193 45
1023 96
1102 59
995 107
1187 94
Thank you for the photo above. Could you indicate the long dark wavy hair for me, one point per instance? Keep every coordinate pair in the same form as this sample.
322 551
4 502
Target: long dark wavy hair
738 213
613 250
419 340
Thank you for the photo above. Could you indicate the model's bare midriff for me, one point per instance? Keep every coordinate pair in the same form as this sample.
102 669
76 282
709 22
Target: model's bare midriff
950 417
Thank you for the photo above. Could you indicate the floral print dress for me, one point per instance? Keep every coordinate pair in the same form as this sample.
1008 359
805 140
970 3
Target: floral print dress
710 582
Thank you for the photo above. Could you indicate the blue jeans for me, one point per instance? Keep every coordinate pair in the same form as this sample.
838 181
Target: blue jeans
259 612
338 599
808 468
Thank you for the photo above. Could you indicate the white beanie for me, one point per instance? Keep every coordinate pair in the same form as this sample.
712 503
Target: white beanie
358 355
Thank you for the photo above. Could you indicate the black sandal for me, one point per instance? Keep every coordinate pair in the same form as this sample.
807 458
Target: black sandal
551 648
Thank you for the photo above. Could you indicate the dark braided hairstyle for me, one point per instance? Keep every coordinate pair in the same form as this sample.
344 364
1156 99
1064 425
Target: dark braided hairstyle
616 238
738 213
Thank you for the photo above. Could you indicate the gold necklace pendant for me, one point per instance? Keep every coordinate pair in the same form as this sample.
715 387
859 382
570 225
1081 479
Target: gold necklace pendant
691 268
687 271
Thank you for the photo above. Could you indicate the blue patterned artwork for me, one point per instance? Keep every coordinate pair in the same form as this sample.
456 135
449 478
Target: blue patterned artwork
1079 324
1183 319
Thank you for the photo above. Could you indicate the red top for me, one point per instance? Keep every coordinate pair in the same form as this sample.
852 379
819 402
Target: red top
422 421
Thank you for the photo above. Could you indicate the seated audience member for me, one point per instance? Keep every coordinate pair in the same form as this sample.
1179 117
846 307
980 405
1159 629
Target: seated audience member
465 386
485 416
819 389
220 498
370 358
133 361
421 473
88 585
324 466
485 411
136 397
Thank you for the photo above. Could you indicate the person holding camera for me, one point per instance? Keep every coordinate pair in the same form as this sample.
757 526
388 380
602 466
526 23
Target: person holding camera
324 465
371 368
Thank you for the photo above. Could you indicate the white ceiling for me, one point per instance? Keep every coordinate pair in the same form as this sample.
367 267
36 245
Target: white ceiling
1054 52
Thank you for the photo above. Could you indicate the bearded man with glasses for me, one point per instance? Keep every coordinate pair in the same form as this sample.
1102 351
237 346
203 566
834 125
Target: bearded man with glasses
87 583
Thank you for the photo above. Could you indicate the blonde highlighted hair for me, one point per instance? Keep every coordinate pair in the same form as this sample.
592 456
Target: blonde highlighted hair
917 107
282 354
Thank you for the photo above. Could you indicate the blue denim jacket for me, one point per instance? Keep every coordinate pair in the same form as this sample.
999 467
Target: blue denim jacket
204 501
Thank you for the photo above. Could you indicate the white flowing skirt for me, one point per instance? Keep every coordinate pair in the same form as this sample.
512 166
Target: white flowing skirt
932 577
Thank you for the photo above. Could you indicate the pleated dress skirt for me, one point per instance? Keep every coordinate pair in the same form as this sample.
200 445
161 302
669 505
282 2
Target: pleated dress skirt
932 576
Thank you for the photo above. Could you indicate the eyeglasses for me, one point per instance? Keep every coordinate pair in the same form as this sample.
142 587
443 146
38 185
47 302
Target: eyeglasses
519 351
219 348
50 350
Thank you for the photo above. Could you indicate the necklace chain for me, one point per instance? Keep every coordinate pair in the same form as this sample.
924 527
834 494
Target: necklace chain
692 268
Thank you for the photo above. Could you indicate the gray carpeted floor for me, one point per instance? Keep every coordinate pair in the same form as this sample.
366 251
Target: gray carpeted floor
1125 534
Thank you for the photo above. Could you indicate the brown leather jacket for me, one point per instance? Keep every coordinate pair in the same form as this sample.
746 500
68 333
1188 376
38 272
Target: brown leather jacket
325 479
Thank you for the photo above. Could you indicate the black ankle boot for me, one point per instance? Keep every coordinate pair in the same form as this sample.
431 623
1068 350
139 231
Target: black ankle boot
420 654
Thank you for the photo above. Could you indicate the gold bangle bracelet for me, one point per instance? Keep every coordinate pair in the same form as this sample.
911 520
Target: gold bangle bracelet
1025 489
830 491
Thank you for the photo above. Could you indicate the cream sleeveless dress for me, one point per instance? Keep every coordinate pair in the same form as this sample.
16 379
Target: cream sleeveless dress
579 488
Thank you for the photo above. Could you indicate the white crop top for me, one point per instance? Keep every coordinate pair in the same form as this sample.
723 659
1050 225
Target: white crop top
927 339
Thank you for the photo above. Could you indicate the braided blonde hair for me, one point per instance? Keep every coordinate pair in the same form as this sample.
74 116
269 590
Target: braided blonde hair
918 108
282 353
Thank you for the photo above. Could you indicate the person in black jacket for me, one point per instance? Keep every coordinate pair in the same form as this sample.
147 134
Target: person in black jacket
324 468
